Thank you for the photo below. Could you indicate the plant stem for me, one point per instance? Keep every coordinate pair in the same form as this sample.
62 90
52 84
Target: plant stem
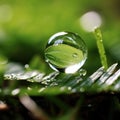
101 48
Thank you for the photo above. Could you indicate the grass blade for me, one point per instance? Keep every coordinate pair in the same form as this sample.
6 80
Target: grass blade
101 48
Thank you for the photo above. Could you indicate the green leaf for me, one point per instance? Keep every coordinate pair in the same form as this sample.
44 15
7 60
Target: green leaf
63 55
101 48
36 83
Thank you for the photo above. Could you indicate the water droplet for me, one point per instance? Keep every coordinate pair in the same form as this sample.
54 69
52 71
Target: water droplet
66 52
41 89
27 75
10 76
82 72
75 55
69 88
38 77
15 91
27 66
29 88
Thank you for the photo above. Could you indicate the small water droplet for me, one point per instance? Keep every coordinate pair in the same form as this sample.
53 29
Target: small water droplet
75 55
15 91
82 72
66 51
27 75
27 66
41 89
69 88
29 88
38 77
10 76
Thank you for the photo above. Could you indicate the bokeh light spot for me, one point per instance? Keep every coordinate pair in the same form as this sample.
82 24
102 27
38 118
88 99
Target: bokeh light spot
90 20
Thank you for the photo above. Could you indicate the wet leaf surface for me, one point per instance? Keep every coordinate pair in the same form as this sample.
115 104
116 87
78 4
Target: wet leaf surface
55 83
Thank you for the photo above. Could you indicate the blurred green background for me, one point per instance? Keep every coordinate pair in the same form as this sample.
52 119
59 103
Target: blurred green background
26 25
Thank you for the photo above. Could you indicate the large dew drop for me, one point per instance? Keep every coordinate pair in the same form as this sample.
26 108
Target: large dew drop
66 52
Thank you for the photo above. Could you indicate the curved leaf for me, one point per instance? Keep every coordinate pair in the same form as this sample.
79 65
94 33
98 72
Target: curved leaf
63 55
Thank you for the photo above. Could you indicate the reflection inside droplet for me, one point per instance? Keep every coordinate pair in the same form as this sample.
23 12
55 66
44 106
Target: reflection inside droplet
75 55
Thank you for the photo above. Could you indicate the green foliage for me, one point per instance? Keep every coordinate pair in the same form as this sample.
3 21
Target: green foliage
3 62
62 56
39 84
101 49
25 27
